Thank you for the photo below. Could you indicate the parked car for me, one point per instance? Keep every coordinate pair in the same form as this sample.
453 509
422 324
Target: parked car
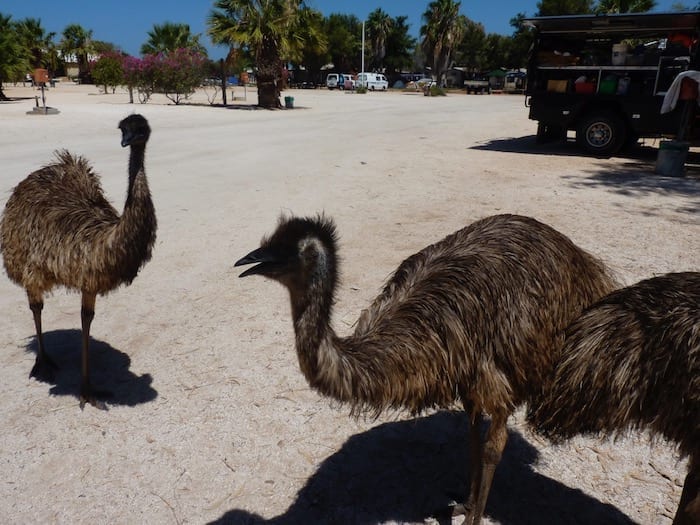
372 81
478 83
422 83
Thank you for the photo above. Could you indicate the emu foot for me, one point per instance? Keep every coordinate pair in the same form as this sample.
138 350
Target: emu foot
93 397
44 369
462 509
453 510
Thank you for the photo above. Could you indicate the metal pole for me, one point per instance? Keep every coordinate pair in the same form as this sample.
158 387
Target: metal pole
363 49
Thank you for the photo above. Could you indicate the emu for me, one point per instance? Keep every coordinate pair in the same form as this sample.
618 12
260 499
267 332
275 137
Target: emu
474 318
632 361
58 229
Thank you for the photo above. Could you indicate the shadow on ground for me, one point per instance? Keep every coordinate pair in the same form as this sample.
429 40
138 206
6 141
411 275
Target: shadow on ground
644 154
632 176
410 470
109 369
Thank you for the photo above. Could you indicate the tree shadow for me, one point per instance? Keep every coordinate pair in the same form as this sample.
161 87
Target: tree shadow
409 471
109 369
635 180
633 177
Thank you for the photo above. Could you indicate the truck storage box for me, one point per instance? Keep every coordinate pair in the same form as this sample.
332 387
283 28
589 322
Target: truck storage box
557 86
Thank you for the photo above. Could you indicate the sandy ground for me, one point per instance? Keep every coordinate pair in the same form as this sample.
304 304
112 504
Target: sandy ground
211 420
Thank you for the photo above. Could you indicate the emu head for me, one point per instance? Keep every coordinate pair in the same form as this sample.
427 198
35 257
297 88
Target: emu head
135 130
300 254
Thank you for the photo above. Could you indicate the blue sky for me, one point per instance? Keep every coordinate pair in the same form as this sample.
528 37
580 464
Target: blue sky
127 22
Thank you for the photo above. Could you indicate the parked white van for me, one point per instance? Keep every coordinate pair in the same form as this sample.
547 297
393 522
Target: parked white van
333 81
340 81
372 81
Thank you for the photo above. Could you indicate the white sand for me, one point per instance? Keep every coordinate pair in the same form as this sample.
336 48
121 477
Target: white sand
212 418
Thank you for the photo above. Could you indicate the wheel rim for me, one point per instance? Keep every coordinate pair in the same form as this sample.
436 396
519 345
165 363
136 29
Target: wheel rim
599 134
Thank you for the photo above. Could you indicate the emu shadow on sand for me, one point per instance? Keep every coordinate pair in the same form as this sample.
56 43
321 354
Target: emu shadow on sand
632 360
110 368
475 319
58 229
397 472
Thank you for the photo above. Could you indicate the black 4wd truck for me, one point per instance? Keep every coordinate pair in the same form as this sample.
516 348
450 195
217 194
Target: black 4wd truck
605 77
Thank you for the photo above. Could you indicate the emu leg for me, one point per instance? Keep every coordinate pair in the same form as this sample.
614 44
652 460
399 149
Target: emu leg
87 394
491 455
476 451
688 512
44 368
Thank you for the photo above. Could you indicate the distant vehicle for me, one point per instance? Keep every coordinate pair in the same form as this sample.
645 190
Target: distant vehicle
372 81
340 81
333 81
478 84
348 81
422 83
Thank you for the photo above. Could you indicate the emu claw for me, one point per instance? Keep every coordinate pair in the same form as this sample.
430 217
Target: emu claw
462 509
88 395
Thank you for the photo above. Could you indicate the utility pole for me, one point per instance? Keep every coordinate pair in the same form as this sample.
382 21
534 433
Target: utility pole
362 70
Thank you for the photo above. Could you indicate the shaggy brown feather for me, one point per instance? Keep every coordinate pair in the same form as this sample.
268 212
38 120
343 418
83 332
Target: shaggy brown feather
58 229
632 360
476 318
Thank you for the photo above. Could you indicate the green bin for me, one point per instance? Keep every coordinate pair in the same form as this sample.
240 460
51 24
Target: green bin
289 102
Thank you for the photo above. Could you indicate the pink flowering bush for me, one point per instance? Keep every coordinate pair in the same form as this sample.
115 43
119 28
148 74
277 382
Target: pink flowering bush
176 74
179 73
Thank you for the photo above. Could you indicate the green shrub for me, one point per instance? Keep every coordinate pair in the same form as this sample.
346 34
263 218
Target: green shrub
437 91
361 89
108 71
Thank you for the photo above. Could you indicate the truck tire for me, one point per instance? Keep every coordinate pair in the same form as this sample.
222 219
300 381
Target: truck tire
602 133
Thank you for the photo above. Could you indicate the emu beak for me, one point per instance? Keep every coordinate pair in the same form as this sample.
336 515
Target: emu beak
264 257
129 137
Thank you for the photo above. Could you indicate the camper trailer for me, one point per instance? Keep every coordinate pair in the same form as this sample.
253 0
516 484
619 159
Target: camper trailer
605 77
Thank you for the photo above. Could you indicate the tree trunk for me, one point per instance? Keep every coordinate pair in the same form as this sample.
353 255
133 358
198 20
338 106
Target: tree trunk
268 74
268 95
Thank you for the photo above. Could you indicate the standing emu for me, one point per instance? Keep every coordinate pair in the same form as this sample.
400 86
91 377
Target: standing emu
632 360
59 229
474 318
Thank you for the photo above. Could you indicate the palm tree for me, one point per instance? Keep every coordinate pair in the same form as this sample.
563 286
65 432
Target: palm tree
624 6
14 57
77 42
399 47
268 29
169 37
442 32
379 24
38 42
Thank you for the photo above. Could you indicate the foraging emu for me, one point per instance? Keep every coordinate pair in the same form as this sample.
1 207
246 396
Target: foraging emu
632 360
474 318
59 229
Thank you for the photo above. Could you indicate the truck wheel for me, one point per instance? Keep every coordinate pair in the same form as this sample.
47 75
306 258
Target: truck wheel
601 134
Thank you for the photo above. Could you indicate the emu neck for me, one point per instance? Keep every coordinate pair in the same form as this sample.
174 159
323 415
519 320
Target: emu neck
315 339
133 237
136 161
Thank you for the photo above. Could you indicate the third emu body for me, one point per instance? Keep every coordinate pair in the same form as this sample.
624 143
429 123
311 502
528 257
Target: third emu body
475 318
633 360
